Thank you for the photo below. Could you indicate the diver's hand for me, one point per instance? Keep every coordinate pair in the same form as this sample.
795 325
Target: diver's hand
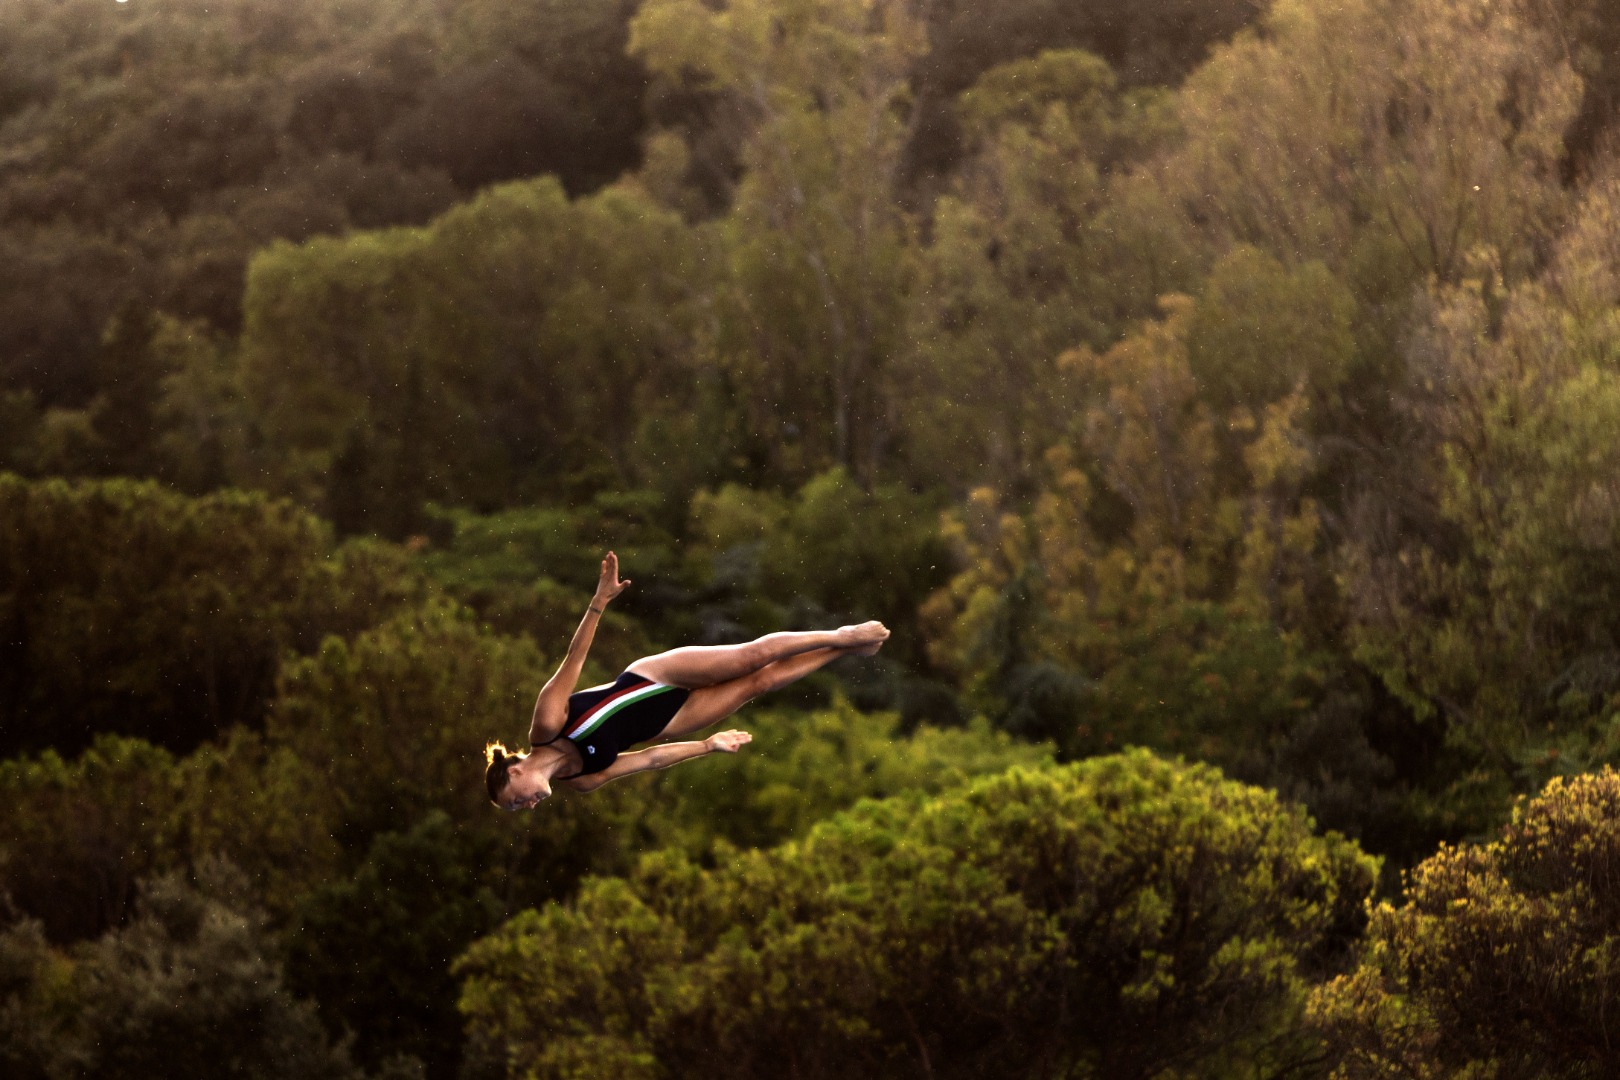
608 585
728 741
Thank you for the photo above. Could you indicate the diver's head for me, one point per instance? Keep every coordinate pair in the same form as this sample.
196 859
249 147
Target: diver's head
514 782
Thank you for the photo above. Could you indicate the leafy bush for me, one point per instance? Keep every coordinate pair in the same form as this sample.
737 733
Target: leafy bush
803 767
1119 918
833 549
130 609
186 990
1500 961
374 948
79 835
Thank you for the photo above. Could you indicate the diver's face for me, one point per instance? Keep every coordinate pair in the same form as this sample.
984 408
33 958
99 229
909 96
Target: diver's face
525 787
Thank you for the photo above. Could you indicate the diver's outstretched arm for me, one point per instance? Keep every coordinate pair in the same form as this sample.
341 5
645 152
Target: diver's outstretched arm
551 707
662 757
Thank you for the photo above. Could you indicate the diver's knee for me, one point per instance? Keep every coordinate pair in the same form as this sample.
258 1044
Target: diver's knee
756 684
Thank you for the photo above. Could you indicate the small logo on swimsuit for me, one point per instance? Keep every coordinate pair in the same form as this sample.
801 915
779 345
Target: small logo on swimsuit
590 749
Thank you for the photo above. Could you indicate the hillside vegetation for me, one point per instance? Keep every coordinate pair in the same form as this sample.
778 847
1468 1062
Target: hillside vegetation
1220 401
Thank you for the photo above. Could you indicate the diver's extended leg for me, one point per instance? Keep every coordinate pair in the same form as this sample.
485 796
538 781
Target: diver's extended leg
698 666
712 704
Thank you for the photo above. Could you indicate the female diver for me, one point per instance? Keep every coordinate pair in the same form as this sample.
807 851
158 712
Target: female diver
580 739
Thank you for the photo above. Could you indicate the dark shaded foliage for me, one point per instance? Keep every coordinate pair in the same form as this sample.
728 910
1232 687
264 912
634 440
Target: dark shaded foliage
374 949
81 835
1146 43
126 608
188 989
148 149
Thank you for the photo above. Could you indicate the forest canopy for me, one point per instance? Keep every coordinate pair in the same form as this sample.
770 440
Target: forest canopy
1219 401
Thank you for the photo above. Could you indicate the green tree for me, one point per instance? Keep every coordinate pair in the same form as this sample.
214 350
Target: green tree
80 835
187 989
1420 130
180 607
1494 611
1023 264
1157 41
1592 25
34 1006
129 375
149 156
19 419
803 767
1123 918
832 550
154 150
543 86
1156 504
814 247
61 285
199 410
1262 330
374 948
1498 962
528 571
515 342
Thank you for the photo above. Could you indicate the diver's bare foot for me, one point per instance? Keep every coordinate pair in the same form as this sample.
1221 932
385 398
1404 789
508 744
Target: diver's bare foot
865 633
865 650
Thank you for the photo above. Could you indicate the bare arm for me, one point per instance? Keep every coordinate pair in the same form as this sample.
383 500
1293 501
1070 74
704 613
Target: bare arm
552 705
662 757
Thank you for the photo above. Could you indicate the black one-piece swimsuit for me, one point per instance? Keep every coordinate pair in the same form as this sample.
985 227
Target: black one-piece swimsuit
604 721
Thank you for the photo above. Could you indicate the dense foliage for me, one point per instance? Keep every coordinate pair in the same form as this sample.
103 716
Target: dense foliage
189 988
1234 380
1499 960
353 818
127 608
1117 918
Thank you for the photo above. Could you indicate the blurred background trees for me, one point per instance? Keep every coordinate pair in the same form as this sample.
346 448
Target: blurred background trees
1231 380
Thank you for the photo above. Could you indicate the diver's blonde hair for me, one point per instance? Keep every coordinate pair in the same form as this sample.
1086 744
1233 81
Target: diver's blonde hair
498 761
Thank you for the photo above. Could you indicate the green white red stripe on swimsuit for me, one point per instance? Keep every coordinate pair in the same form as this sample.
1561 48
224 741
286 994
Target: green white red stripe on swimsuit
598 714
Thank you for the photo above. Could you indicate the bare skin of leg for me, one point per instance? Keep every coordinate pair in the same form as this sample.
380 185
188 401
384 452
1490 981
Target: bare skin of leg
711 704
694 667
